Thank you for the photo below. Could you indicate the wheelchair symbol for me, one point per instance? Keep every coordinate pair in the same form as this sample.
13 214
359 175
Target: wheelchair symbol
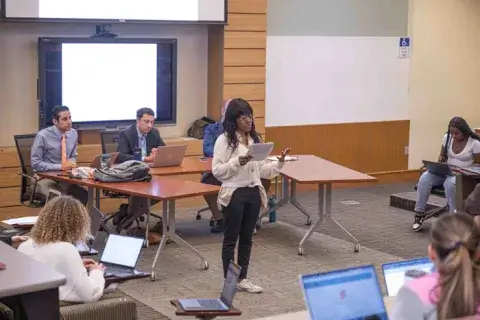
404 42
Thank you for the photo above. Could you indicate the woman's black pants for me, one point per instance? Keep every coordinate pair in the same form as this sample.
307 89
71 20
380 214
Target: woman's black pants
241 216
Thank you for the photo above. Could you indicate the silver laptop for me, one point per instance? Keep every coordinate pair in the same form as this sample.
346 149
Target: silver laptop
438 168
52 194
120 256
97 161
224 303
169 156
397 273
345 294
96 218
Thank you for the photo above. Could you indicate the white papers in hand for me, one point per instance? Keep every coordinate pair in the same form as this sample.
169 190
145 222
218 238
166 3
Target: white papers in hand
23 221
287 158
260 151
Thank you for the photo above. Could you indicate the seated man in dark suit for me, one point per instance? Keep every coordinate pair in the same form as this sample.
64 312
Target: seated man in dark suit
145 136
212 132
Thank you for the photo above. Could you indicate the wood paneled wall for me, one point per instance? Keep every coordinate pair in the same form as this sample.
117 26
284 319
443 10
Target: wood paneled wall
241 73
366 147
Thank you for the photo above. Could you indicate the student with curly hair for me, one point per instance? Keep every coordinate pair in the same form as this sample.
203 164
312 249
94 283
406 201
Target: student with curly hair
241 193
62 223
454 291
460 148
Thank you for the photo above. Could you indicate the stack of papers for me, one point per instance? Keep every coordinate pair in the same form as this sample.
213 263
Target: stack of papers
23 221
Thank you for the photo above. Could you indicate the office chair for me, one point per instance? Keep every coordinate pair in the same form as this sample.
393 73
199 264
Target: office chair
24 143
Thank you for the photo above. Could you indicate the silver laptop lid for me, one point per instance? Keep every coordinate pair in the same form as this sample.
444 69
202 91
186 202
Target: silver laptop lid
352 293
398 272
122 251
230 284
96 218
169 156
52 194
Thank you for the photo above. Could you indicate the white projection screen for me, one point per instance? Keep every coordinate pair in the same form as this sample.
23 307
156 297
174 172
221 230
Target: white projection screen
207 11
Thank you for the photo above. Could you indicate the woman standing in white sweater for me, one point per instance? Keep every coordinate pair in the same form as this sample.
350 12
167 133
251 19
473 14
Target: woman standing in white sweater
241 194
62 223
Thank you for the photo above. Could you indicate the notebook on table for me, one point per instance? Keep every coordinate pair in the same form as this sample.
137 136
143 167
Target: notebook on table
96 218
346 294
396 274
224 303
120 256
169 156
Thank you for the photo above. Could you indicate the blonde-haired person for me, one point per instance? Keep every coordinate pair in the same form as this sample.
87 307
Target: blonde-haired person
61 224
454 291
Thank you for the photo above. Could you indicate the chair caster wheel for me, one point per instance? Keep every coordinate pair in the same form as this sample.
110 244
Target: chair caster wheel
356 248
300 251
199 216
211 223
205 265
309 221
153 277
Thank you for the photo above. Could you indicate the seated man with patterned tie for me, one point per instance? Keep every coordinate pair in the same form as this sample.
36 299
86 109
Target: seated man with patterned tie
55 149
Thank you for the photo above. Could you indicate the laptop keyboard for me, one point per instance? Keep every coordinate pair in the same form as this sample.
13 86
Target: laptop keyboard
211 304
118 272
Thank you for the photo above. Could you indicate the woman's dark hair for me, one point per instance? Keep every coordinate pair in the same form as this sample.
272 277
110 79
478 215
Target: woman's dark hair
236 108
462 126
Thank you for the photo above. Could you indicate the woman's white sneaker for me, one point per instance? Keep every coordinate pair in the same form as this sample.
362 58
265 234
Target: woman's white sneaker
247 285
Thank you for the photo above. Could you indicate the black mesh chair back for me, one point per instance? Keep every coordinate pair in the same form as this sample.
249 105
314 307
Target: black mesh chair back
24 143
109 140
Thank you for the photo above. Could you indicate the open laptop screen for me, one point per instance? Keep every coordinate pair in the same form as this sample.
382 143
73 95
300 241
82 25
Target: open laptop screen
230 284
344 294
122 251
397 273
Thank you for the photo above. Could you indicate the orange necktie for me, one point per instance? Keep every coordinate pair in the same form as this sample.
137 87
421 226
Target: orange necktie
64 150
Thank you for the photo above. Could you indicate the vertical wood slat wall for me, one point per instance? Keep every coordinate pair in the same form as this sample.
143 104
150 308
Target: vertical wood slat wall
240 71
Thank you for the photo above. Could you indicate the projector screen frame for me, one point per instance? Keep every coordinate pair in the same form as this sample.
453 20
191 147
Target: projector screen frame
104 124
3 17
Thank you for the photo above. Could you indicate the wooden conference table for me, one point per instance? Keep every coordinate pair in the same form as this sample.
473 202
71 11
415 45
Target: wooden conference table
162 189
29 283
309 169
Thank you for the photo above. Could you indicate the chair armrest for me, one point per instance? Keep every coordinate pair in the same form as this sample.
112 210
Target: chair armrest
32 178
115 309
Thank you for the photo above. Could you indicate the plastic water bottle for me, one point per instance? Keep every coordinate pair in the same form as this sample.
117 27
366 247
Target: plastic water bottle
272 217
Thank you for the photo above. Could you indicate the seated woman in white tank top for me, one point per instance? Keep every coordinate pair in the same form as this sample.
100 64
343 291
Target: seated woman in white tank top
460 148
63 222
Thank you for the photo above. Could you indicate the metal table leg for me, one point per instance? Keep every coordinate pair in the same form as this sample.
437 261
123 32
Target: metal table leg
169 232
91 191
296 204
325 215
